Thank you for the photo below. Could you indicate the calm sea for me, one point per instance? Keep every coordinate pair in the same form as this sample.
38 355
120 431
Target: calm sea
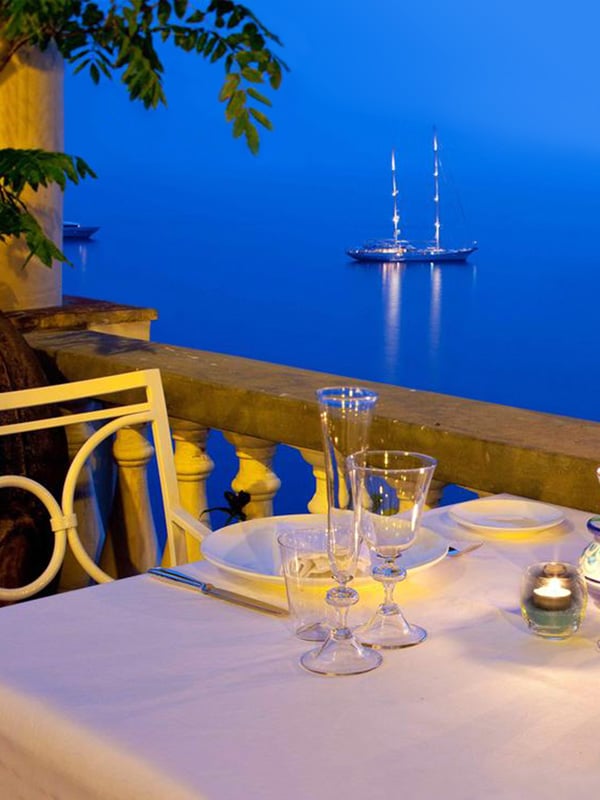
261 272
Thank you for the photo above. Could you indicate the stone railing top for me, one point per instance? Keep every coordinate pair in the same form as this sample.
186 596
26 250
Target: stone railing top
79 313
491 447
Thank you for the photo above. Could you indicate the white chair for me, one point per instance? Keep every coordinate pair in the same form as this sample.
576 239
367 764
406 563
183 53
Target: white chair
150 409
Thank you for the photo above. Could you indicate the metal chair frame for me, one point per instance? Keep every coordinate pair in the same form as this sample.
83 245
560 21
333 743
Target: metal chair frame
152 410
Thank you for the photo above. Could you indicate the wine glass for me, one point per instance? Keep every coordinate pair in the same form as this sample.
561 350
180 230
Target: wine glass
389 488
346 413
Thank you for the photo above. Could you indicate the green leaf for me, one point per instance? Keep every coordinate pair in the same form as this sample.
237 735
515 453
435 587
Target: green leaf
276 76
232 81
164 11
241 121
252 138
210 44
181 8
235 105
82 65
260 117
252 75
218 52
258 96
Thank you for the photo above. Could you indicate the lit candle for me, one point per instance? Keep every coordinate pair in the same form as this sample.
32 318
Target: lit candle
553 598
552 595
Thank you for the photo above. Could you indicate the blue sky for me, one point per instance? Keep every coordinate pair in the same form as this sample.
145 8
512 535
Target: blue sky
512 87
522 74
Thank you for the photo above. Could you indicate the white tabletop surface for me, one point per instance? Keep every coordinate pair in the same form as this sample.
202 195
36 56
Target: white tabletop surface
137 689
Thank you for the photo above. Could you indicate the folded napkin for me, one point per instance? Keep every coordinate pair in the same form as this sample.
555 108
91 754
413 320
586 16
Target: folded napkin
316 565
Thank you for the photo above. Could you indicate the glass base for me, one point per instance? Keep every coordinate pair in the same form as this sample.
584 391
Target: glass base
390 630
552 632
552 624
313 632
340 657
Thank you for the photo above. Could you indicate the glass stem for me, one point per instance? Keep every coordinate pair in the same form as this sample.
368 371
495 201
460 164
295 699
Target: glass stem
341 598
389 582
341 630
388 588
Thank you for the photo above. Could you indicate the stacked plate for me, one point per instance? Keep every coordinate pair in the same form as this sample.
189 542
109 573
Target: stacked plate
249 549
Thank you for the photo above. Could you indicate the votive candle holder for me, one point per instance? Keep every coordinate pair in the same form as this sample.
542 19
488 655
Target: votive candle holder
553 599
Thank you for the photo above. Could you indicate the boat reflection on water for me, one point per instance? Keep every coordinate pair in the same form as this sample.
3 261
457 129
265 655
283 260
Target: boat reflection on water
426 291
77 253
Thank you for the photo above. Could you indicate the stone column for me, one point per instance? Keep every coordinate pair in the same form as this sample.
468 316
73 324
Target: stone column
31 116
193 465
255 475
133 537
316 458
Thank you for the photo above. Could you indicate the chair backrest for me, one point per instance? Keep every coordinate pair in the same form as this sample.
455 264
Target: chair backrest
148 406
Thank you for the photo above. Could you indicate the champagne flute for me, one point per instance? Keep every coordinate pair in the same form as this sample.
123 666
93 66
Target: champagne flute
346 413
390 489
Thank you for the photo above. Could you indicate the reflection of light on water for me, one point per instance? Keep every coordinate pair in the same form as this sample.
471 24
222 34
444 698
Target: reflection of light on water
76 275
77 253
424 288
435 310
392 298
82 252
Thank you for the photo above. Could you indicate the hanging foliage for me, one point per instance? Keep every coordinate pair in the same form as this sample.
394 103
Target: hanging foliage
122 39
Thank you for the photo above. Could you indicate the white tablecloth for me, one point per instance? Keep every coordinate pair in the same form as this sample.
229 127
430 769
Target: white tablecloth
137 689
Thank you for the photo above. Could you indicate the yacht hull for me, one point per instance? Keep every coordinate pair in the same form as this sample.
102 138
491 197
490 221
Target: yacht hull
429 256
75 231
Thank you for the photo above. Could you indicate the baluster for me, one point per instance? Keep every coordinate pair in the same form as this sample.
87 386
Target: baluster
255 475
133 537
434 495
193 466
316 458
90 529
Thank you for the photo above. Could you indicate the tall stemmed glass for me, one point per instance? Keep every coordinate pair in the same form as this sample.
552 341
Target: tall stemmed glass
346 413
390 489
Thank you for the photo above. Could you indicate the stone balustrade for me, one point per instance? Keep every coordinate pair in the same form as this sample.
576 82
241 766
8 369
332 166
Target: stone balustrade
487 447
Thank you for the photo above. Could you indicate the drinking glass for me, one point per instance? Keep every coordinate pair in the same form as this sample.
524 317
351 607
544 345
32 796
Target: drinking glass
306 570
389 488
346 413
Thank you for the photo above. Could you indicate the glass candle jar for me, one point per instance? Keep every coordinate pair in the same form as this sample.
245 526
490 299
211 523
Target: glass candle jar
589 563
553 599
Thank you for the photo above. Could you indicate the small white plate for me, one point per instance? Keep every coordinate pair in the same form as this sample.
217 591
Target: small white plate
506 515
249 549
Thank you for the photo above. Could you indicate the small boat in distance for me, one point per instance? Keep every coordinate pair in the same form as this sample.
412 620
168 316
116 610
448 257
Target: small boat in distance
397 249
73 230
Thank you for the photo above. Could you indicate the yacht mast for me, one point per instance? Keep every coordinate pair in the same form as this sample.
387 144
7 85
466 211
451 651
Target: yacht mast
436 190
396 217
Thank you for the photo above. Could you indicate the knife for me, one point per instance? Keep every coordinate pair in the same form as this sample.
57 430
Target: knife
458 549
215 591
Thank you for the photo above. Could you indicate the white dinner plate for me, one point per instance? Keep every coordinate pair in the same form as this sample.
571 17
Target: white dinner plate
504 514
249 549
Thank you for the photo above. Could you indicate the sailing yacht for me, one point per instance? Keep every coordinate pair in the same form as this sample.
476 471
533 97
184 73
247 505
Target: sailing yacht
73 230
398 249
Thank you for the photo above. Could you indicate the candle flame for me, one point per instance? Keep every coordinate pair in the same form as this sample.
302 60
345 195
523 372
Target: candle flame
553 588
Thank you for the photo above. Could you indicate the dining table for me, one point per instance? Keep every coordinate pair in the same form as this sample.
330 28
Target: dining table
143 689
